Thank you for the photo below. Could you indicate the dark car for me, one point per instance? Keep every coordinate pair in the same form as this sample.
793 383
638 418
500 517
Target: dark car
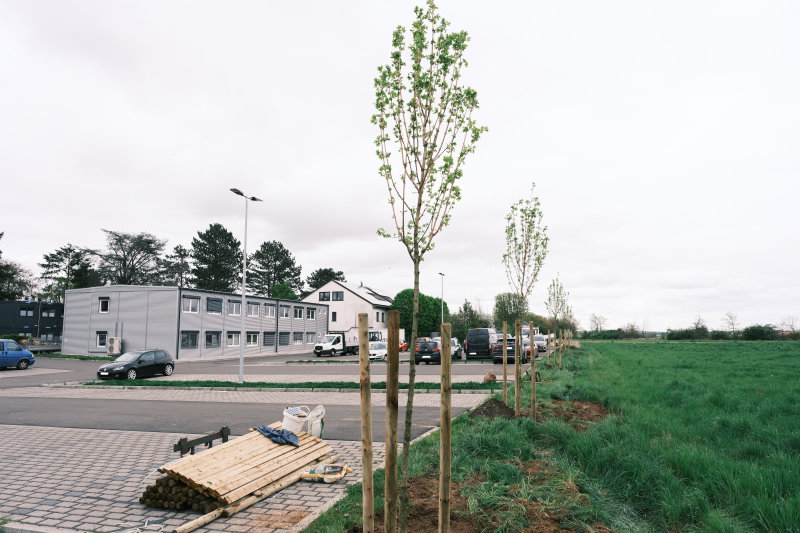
428 352
511 345
138 364
479 342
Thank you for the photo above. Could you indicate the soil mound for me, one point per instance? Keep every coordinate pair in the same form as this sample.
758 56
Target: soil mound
493 408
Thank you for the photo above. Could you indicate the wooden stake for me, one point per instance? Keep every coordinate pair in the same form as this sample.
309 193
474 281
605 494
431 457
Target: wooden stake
392 379
368 503
534 352
505 370
517 370
445 431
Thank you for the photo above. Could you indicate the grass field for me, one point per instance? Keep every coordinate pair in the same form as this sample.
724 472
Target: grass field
702 437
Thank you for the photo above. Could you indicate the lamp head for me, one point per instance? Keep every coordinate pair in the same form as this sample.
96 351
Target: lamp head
237 191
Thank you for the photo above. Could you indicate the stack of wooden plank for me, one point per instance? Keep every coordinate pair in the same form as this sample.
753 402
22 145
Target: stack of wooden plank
243 465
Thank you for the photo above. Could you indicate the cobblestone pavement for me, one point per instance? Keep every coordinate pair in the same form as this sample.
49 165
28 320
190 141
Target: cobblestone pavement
63 479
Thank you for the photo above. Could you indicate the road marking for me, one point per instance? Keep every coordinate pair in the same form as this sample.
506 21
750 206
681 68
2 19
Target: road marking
29 372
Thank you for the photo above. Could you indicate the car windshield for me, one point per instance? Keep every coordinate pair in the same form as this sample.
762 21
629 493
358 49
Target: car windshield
127 357
538 338
327 338
379 346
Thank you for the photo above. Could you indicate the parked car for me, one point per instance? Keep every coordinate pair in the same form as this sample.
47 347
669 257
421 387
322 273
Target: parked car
526 344
479 342
378 351
497 349
455 349
138 364
540 342
428 352
12 354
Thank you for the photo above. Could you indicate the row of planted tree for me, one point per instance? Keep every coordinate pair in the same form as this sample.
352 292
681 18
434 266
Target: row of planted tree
396 490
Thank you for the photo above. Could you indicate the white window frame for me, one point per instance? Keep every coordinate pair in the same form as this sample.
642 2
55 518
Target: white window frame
269 311
218 335
311 336
103 300
298 337
252 339
301 313
311 313
233 338
339 293
188 334
284 311
253 309
190 305
236 310
104 336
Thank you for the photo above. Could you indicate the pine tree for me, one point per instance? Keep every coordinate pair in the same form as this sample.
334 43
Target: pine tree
217 256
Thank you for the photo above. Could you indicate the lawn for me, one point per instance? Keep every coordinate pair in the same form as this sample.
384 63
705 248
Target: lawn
701 437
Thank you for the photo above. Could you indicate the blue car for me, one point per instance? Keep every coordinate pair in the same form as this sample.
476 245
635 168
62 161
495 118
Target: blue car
12 354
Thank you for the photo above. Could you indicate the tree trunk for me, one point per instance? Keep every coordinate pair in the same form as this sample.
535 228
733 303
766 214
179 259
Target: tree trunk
412 373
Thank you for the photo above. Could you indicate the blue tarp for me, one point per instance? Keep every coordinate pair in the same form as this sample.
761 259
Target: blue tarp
279 436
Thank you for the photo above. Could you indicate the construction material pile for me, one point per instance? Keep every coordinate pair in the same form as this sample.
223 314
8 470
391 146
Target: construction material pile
167 493
227 473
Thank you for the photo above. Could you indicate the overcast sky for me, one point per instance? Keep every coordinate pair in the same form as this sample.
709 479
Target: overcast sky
663 137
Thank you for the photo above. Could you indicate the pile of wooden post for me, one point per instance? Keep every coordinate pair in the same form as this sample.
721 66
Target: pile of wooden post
225 478
167 493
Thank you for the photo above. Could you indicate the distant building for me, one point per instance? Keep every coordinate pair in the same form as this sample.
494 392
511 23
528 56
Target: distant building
188 323
33 319
345 302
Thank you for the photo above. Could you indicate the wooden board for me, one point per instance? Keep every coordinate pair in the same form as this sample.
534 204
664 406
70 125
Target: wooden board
245 464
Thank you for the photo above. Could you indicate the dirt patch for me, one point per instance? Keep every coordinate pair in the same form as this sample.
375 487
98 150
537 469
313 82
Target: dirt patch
493 408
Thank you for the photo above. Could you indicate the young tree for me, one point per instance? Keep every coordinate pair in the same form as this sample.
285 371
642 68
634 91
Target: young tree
426 130
270 265
217 257
730 321
130 258
321 276
556 303
526 246
175 267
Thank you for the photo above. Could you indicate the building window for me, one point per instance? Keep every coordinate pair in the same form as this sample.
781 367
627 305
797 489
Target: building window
338 296
311 313
252 338
190 304
214 306
269 338
377 316
233 338
383 316
26 311
103 305
284 311
212 338
102 337
283 338
298 312
298 337
234 307
189 339
252 309
333 316
49 314
310 337
324 297
269 311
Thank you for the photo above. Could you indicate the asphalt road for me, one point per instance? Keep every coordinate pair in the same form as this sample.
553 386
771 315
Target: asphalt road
343 422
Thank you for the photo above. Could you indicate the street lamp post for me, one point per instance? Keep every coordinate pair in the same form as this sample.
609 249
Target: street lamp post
243 305
442 296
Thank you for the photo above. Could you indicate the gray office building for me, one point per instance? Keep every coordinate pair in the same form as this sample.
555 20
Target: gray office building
188 323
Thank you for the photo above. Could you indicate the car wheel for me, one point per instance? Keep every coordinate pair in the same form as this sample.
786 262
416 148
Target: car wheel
131 373
333 353
168 370
22 364
318 355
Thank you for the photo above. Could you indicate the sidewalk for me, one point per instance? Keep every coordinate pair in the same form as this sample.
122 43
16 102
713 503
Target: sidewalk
61 479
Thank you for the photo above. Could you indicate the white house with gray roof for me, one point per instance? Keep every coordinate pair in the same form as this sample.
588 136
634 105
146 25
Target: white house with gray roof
346 301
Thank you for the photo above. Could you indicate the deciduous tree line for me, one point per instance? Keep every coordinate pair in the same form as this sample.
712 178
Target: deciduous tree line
213 262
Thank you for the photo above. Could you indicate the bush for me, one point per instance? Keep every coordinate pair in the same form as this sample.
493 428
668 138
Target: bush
758 332
719 335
